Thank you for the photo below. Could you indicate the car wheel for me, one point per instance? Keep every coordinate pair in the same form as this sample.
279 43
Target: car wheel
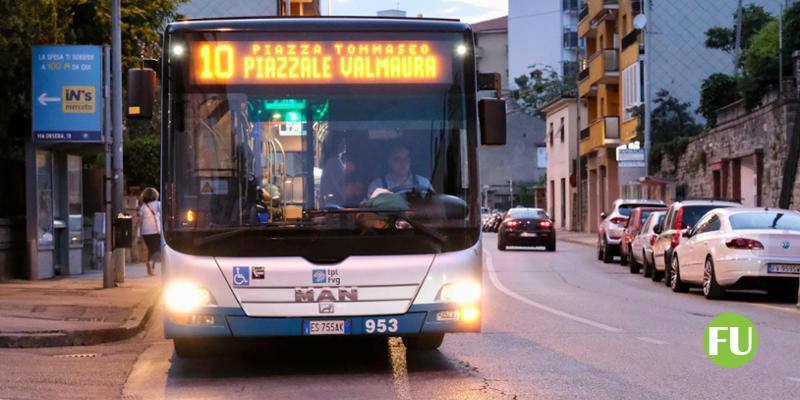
648 268
634 266
667 273
608 257
424 342
599 252
657 275
623 258
675 282
711 289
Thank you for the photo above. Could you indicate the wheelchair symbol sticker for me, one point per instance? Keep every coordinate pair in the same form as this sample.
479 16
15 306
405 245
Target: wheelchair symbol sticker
241 276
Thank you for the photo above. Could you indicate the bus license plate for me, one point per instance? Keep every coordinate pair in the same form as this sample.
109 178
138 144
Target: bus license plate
784 268
327 327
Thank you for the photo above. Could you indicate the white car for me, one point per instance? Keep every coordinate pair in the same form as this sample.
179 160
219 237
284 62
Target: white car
642 244
612 225
740 248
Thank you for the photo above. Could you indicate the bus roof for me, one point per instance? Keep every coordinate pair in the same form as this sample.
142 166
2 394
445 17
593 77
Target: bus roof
319 24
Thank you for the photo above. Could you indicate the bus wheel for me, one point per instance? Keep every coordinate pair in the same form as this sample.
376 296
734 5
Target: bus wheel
192 347
424 342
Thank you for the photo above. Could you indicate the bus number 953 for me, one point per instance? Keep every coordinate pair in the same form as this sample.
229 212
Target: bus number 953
380 325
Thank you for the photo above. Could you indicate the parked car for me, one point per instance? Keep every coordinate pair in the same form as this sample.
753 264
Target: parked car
632 228
680 216
527 227
609 233
642 245
740 248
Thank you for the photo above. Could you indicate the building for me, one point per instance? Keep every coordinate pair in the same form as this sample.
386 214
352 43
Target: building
509 173
195 9
542 32
491 47
617 58
561 122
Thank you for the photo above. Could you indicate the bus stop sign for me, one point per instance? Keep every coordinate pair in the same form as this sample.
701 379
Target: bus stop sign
67 93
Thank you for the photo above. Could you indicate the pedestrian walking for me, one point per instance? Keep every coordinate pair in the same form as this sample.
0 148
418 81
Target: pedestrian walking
149 227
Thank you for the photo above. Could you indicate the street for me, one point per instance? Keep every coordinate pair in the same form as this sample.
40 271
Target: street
556 326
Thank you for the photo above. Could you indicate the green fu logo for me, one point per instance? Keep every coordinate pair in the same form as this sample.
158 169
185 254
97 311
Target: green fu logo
730 340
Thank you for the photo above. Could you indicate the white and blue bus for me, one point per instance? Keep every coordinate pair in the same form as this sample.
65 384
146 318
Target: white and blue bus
320 177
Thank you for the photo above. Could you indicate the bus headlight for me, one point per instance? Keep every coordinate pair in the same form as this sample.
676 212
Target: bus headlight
185 297
465 292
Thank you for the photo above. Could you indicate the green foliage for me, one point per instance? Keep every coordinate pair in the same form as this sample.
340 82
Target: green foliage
718 90
143 160
28 23
754 17
761 65
672 126
540 86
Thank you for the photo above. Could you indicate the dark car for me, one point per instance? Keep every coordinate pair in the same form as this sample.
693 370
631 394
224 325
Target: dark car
526 227
632 228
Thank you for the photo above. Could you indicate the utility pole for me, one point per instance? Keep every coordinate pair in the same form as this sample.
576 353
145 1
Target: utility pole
116 92
646 58
108 265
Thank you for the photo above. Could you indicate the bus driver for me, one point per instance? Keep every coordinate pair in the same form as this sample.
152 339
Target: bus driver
399 179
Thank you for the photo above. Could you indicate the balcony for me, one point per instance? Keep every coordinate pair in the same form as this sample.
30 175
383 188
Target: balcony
603 132
629 39
603 68
595 11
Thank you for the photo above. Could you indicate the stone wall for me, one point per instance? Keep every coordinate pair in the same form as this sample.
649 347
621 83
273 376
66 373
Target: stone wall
760 133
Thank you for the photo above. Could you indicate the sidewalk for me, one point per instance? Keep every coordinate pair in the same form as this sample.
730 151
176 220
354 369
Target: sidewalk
76 310
584 238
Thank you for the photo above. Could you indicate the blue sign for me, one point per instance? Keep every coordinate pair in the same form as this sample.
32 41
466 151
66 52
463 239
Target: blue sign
67 93
241 276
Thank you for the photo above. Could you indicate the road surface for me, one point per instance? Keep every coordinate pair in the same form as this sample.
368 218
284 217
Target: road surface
556 326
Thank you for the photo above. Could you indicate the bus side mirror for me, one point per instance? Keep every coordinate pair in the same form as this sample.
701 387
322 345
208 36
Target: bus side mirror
492 118
141 92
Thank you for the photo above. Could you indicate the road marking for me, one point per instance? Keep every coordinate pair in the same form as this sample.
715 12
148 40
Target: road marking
793 379
790 309
148 377
496 282
651 340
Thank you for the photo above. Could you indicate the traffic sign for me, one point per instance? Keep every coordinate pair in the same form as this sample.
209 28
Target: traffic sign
67 93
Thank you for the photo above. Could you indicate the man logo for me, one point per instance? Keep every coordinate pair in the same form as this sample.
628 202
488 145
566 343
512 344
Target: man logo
320 295
730 340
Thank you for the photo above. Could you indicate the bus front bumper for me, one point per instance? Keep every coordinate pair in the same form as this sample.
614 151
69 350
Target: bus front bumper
232 322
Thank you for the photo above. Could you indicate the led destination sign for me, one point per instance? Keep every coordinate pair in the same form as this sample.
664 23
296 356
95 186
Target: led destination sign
320 62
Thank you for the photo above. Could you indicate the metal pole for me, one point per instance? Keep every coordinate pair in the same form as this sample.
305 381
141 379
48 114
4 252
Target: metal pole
646 85
108 266
116 91
780 55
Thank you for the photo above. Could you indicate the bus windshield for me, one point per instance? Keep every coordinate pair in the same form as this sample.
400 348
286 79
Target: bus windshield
326 163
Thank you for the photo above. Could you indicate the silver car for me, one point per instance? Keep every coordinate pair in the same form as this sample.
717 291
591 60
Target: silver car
612 226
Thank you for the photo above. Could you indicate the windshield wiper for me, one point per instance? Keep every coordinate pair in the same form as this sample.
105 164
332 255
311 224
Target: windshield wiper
396 214
240 230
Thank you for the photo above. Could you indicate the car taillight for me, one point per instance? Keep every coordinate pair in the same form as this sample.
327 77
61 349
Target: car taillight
619 220
744 244
678 219
513 224
545 224
676 240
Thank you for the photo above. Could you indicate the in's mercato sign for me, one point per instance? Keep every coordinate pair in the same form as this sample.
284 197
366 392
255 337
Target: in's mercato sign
66 93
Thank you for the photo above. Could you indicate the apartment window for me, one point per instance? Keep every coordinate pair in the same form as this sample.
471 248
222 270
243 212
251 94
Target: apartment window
561 129
631 90
551 134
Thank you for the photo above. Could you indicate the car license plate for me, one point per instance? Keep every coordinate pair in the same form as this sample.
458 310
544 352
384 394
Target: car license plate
784 268
528 234
327 327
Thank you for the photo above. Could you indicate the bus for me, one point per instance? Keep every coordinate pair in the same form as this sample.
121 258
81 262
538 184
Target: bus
320 177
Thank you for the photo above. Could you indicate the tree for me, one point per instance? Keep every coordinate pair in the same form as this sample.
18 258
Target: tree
539 86
754 17
28 23
718 91
671 125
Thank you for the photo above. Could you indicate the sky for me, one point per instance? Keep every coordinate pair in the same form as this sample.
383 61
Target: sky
466 10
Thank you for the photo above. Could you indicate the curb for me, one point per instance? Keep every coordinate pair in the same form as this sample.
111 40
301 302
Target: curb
577 241
84 337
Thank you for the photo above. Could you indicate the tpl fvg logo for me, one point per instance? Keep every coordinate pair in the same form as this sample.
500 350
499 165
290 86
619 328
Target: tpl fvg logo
730 340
